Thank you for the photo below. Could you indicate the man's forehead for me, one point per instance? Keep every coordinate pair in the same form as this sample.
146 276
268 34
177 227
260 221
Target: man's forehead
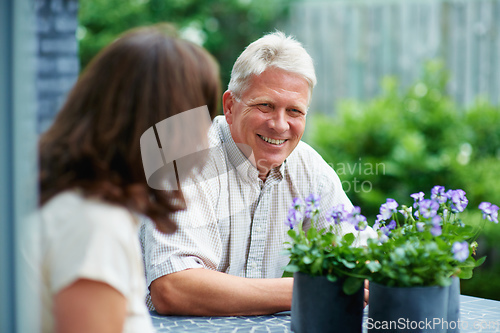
277 80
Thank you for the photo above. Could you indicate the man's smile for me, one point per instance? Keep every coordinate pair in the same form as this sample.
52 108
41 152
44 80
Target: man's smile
272 141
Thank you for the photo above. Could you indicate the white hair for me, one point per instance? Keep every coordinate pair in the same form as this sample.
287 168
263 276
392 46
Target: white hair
272 50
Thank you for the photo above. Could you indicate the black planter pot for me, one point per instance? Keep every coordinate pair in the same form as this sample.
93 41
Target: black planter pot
413 309
321 306
454 306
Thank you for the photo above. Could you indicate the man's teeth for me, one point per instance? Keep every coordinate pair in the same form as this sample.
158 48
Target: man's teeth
273 141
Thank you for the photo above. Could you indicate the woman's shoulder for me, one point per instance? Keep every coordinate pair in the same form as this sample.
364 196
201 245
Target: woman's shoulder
71 209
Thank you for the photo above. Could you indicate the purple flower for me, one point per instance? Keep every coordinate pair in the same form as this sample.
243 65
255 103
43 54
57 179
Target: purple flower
460 251
392 225
458 200
297 204
428 208
436 220
295 213
312 205
361 225
438 194
337 214
417 197
420 226
436 230
293 218
380 218
389 208
406 211
490 211
382 238
384 230
355 217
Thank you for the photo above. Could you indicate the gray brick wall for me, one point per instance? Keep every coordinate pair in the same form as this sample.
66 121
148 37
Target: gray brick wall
58 64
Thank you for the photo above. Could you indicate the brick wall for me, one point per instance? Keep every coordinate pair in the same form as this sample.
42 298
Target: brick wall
58 63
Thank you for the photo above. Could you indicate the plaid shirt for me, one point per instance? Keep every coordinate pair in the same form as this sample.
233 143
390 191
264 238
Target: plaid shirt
235 222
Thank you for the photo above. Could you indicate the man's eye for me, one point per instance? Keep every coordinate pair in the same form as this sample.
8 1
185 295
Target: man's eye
265 107
296 111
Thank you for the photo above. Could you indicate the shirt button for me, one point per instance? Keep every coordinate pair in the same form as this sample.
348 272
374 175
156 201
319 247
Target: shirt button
254 264
258 229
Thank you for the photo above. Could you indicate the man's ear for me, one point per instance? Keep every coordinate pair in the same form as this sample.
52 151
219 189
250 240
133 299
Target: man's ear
227 106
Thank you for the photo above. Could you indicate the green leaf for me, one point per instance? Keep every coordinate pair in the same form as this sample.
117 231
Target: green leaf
312 233
469 262
347 264
416 280
465 273
349 238
373 266
351 285
303 247
465 231
443 281
307 260
316 266
331 278
292 268
480 261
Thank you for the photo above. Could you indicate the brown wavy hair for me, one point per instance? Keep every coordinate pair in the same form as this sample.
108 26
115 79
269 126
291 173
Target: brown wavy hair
140 79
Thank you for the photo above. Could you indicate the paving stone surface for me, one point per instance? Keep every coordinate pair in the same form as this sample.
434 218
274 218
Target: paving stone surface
476 315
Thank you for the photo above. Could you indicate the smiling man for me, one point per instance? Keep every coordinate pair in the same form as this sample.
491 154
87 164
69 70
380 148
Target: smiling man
269 116
226 256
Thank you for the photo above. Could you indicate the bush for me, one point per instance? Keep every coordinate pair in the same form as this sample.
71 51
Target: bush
402 143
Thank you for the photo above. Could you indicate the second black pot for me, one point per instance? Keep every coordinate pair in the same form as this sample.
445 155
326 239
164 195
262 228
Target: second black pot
320 306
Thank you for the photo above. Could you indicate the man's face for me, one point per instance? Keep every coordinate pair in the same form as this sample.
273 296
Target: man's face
270 117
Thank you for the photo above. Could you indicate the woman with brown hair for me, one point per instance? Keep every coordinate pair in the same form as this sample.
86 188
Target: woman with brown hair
93 183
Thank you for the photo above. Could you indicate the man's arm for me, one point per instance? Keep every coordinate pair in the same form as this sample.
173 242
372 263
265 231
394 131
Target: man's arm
203 292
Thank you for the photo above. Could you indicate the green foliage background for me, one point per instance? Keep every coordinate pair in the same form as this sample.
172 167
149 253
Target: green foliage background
225 27
402 143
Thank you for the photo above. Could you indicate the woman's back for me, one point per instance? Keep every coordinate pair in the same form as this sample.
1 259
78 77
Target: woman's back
84 238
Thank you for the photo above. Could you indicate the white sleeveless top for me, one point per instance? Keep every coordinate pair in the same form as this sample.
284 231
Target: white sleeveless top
86 238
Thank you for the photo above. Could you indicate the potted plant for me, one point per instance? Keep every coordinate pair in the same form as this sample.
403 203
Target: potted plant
423 250
329 269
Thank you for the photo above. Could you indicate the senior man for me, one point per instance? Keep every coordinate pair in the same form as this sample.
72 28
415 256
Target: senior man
226 256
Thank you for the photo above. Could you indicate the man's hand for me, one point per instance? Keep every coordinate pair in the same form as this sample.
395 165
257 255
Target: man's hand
367 292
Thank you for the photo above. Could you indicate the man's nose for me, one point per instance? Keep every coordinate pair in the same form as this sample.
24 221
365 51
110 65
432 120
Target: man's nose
279 121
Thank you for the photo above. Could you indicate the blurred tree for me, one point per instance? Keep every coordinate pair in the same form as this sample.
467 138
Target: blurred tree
223 27
402 143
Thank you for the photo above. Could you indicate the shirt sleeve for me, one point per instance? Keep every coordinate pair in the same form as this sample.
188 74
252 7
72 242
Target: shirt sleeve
195 244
